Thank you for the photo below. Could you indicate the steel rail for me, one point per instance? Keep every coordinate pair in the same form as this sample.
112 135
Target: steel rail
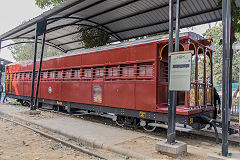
68 144
209 134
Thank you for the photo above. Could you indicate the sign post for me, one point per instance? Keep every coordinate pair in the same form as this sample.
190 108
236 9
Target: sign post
180 71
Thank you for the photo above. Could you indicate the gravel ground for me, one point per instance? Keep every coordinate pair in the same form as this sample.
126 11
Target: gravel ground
16 145
19 143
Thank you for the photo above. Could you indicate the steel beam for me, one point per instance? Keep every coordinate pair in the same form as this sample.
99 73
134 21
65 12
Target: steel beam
33 70
39 70
67 7
165 21
149 25
226 20
74 49
50 44
172 100
1 65
177 26
110 32
171 135
50 15
40 29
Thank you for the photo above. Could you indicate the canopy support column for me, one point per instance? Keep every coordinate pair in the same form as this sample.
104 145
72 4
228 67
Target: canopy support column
39 70
40 29
0 45
171 134
172 95
226 20
32 107
1 67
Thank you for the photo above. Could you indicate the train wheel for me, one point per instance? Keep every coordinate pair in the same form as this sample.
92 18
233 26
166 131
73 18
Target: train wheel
60 109
198 126
148 127
120 121
55 108
26 103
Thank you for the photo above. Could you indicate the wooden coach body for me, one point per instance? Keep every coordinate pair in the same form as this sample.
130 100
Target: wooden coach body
131 75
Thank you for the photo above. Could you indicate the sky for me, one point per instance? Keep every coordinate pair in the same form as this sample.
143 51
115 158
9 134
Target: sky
14 12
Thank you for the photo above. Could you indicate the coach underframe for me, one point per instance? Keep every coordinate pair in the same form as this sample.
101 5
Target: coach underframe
161 117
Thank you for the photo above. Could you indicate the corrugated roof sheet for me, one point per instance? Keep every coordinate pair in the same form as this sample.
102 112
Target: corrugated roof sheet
123 19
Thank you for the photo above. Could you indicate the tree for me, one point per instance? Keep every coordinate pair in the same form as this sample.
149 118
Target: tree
47 3
235 28
92 37
215 33
24 51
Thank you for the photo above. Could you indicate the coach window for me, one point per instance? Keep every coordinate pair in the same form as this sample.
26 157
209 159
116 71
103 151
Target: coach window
112 71
145 70
76 73
87 73
30 75
208 78
24 75
58 74
36 74
45 75
98 73
200 65
200 76
193 69
208 68
51 74
67 74
20 76
27 75
193 75
127 71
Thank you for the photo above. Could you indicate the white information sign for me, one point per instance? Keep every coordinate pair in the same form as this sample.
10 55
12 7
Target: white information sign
180 71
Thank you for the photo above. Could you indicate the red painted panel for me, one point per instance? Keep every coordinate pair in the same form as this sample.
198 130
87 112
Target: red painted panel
50 90
121 55
143 52
118 55
11 88
76 91
94 58
18 87
70 61
51 64
27 88
146 97
119 94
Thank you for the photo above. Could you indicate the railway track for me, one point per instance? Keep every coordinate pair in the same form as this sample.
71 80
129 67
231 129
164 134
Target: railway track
160 131
52 137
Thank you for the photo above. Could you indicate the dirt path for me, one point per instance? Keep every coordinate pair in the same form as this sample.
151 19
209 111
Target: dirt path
19 143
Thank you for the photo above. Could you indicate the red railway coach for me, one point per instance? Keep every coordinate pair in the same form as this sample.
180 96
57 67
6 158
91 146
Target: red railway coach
127 81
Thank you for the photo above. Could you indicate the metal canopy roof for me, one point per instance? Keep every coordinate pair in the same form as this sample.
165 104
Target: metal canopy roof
122 19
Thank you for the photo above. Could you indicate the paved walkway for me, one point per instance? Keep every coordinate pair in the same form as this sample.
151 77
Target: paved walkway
86 132
76 127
